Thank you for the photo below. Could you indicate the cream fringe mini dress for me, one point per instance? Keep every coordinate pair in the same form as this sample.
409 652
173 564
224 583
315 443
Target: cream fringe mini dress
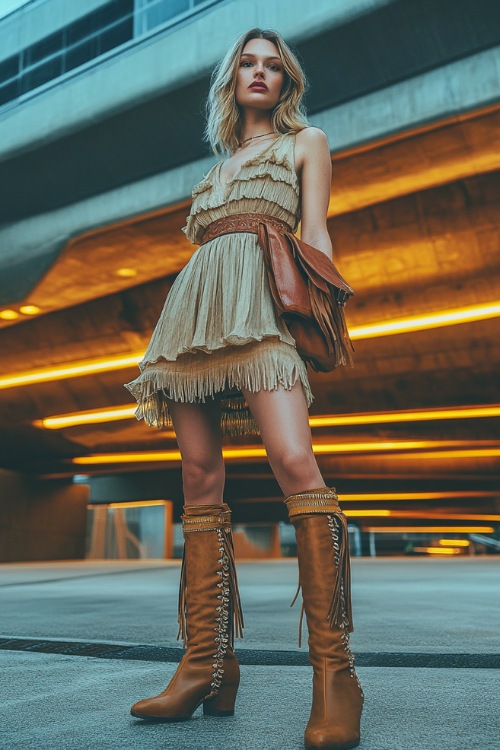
218 330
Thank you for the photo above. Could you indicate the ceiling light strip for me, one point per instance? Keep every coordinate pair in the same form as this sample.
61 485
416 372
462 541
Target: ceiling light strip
430 529
260 452
421 415
71 370
383 328
112 414
426 322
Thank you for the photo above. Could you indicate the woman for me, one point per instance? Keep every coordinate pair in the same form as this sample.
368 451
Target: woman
221 362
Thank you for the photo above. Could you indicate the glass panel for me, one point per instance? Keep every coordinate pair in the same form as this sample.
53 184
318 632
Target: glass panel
82 53
159 11
41 74
9 68
115 36
9 92
138 531
44 48
81 29
113 12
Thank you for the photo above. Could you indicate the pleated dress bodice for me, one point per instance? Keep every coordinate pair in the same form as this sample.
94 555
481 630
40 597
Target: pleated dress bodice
265 183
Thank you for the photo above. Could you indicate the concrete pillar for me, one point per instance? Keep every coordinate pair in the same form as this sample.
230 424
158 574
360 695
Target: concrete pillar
41 519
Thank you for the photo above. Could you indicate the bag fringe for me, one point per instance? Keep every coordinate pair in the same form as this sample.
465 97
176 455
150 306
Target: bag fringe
330 317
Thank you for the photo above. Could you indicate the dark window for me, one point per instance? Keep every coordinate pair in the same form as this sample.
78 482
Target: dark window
9 68
9 92
41 74
81 29
116 35
44 48
81 53
112 12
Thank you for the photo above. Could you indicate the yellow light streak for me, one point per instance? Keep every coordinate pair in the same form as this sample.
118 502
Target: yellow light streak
417 496
430 529
470 453
260 452
437 550
425 322
29 309
126 272
115 413
422 415
385 328
455 542
8 314
449 516
138 504
94 416
383 446
425 515
71 370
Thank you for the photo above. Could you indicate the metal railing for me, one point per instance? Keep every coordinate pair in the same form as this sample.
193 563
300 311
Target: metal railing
147 17
481 539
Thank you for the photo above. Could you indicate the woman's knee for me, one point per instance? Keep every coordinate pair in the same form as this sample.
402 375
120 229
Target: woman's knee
295 460
206 475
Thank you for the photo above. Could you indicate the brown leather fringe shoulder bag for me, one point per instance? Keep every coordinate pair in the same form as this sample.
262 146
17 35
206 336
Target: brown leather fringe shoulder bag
310 294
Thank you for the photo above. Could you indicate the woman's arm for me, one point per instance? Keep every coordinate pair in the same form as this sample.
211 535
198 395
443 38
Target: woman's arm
314 166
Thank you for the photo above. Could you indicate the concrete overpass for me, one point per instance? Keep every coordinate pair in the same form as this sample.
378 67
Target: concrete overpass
97 165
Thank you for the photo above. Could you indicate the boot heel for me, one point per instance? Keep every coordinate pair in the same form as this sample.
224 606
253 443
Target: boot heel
221 704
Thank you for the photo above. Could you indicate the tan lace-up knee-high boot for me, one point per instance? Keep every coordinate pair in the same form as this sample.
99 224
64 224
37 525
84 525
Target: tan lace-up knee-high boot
324 576
209 618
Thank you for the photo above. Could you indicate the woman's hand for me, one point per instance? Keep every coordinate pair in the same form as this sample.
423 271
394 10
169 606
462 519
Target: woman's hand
314 166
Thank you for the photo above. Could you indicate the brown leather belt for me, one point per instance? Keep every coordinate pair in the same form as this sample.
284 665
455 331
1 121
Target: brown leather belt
248 222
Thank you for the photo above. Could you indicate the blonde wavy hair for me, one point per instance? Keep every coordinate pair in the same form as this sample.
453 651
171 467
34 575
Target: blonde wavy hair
223 126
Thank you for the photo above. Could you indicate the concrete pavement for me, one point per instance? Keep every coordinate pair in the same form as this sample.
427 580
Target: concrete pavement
406 611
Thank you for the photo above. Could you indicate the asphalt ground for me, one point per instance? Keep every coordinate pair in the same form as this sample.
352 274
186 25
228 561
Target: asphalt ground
80 642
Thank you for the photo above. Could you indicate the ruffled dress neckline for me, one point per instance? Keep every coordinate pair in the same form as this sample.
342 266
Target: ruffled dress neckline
218 171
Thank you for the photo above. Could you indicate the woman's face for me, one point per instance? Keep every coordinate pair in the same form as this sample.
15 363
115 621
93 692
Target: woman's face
260 63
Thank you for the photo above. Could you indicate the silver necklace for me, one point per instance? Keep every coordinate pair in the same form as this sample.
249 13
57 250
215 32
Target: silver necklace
256 136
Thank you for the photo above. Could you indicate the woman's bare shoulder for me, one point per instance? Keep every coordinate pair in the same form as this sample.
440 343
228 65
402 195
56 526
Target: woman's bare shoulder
310 140
311 134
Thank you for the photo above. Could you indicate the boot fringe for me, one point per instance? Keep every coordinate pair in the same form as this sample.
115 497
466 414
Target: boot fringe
181 607
230 596
340 612
325 501
236 621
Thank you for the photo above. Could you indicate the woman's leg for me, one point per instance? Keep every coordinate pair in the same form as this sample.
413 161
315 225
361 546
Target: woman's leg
282 417
199 436
209 609
324 566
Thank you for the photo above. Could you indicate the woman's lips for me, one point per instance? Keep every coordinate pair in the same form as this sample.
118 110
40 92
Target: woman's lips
258 86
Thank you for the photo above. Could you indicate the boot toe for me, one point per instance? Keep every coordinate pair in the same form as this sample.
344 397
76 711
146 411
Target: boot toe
330 738
149 708
141 709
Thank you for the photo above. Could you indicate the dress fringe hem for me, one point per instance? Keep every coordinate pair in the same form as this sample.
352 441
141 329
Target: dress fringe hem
259 367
